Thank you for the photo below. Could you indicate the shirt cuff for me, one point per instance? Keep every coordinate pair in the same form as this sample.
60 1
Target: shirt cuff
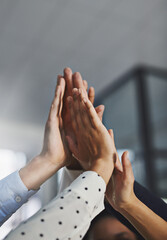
15 193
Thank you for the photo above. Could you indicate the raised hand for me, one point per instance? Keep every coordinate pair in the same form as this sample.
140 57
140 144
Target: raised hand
93 147
120 191
121 196
55 147
75 81
54 154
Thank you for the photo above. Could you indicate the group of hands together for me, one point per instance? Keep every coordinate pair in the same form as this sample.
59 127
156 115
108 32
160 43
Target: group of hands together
75 137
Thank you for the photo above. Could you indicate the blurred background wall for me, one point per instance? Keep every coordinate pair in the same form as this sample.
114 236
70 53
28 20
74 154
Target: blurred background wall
101 39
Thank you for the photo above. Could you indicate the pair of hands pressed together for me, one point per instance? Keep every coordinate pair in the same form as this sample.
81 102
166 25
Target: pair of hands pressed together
75 126
76 138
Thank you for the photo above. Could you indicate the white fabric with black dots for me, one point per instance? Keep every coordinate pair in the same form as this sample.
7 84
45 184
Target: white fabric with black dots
68 216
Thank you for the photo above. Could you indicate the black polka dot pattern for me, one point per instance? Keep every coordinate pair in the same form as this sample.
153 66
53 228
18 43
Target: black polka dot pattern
67 211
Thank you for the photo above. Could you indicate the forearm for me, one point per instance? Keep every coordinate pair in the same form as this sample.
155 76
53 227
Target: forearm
13 195
68 216
37 171
150 225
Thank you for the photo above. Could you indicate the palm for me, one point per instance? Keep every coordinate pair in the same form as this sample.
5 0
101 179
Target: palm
114 188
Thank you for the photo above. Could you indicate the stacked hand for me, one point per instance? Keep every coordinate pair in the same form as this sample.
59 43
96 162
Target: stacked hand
75 81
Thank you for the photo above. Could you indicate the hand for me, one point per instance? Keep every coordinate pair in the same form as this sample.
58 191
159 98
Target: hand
93 146
120 191
55 147
75 81
54 154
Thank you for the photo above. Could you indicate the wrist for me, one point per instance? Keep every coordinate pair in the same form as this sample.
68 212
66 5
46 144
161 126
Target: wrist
128 206
37 171
103 168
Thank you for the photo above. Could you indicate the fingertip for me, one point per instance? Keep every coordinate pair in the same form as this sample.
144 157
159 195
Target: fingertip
69 100
126 161
67 70
85 83
91 89
75 93
111 133
58 77
102 107
125 155
74 90
76 75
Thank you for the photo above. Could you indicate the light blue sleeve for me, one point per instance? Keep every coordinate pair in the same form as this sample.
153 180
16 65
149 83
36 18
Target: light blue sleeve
13 194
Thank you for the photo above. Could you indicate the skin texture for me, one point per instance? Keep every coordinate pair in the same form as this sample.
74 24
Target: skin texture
74 80
110 228
90 133
54 154
120 187
121 196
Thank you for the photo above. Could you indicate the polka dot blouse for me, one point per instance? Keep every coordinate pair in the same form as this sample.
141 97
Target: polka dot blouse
68 216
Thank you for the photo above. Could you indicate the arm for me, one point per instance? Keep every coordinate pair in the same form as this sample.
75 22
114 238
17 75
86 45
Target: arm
148 224
19 186
13 195
120 195
68 216
88 192
75 80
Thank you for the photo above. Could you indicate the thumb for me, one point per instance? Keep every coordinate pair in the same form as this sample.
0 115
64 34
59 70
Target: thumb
100 110
127 167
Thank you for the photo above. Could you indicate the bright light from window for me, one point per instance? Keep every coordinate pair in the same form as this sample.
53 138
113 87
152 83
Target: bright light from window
11 161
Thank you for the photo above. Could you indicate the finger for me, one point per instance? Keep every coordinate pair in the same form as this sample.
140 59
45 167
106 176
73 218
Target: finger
100 110
76 107
72 114
91 94
86 122
85 83
91 112
117 164
78 82
110 131
72 146
127 167
68 81
58 78
54 110
61 83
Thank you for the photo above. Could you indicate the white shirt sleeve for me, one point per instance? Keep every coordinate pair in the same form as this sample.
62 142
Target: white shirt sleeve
13 194
68 176
67 216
